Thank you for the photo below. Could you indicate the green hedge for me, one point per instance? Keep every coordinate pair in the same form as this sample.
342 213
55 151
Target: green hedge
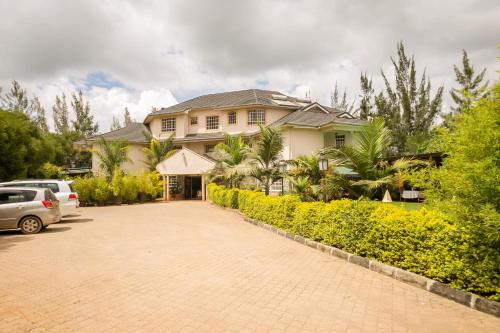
424 241
98 190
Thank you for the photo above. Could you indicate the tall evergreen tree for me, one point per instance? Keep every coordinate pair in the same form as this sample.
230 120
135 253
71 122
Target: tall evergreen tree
408 109
61 115
115 124
39 114
127 117
84 123
471 87
340 103
16 99
366 104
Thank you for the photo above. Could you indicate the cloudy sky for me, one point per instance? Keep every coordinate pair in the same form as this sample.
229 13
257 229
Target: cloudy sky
139 54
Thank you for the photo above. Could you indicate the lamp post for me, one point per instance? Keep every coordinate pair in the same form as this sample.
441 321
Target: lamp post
323 167
282 166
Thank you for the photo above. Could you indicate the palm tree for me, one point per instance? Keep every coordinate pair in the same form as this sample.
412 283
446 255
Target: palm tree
301 186
231 157
307 166
366 157
111 155
158 151
265 156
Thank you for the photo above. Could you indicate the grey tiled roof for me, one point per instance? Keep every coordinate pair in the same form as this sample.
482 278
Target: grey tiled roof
134 132
227 99
316 119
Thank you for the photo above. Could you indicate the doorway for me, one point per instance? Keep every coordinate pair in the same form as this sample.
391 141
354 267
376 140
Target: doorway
192 188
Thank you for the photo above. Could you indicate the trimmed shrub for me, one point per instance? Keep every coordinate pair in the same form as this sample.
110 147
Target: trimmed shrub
425 242
102 192
85 187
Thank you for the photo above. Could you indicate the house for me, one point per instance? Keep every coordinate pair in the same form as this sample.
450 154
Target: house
199 124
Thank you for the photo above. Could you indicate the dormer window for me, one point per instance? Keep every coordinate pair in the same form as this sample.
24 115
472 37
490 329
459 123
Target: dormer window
194 120
212 122
256 117
231 118
168 124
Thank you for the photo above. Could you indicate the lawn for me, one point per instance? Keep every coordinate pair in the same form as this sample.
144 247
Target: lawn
408 205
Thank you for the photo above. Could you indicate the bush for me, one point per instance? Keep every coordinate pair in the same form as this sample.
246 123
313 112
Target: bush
97 190
423 241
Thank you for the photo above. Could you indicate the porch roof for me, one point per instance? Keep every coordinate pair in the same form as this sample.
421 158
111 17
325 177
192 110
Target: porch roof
185 162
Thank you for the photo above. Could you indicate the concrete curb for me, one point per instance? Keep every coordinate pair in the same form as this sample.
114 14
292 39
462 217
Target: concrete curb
468 299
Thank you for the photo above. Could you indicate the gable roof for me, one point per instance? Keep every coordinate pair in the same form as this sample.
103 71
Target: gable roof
234 98
185 162
133 133
314 116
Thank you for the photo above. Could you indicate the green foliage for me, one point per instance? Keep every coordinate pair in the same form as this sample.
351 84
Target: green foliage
158 151
471 87
265 156
422 241
466 186
49 170
98 190
23 147
84 124
408 108
111 155
231 157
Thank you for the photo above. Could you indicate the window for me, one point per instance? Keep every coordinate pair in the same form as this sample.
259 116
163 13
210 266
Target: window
212 122
276 186
231 118
256 117
53 186
339 140
194 120
15 196
209 148
168 124
172 183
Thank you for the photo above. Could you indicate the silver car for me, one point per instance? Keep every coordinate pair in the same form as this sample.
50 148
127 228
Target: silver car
68 200
29 209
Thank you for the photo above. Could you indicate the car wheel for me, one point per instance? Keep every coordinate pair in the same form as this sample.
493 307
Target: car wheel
30 225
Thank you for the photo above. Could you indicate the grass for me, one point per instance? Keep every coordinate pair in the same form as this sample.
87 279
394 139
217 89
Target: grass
408 205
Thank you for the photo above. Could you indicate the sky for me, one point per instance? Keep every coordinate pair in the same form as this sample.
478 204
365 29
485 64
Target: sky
143 54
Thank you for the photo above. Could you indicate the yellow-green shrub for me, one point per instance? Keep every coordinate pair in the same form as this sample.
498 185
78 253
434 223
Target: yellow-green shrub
84 186
423 241
102 192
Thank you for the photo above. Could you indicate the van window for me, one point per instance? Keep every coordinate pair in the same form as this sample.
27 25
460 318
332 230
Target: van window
8 197
50 196
53 186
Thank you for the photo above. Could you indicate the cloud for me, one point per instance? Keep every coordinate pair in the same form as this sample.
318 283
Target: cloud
119 50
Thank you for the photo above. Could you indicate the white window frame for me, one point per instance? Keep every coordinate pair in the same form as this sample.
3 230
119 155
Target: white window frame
256 117
210 122
168 124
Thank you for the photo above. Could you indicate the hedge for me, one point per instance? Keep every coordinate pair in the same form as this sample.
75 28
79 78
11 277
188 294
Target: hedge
98 190
425 242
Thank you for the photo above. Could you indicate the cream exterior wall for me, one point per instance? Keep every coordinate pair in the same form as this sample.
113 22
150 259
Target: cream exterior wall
183 123
298 141
134 166
199 147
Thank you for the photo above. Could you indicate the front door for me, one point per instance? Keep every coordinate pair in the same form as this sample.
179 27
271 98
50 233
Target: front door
192 187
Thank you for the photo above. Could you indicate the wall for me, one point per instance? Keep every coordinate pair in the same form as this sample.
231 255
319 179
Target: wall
134 166
199 147
183 124
300 141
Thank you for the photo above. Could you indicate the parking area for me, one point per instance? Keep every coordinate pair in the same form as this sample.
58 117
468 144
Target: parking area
192 267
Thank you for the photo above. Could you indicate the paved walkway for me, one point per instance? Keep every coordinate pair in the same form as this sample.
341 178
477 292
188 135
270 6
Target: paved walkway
192 267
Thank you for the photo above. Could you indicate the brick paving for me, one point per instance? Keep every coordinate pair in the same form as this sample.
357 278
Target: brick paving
193 267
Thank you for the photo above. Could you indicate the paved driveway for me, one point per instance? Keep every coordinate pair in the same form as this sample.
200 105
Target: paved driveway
192 267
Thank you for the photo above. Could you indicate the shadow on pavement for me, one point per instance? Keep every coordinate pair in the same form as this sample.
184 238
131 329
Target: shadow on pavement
53 229
73 220
9 238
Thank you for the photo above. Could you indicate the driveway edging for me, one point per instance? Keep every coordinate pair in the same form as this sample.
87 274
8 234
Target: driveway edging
470 300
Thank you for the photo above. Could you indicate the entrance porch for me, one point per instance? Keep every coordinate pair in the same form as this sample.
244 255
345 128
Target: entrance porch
183 174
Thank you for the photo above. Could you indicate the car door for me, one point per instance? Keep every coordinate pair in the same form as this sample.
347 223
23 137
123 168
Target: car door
12 205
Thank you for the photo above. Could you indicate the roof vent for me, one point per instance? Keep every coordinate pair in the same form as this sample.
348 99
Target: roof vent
279 97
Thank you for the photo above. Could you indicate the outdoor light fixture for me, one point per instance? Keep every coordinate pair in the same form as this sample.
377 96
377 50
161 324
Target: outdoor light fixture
282 166
323 164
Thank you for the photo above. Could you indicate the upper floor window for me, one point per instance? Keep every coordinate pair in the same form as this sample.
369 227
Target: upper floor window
231 118
168 124
256 117
339 140
194 120
209 148
212 122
